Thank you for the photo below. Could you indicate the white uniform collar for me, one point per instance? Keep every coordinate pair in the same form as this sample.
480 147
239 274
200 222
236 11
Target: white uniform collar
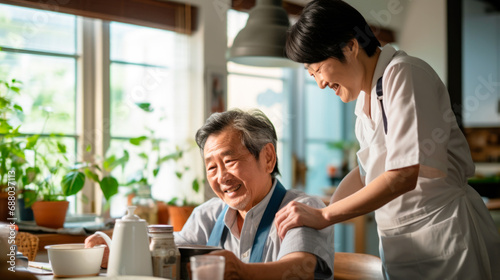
384 59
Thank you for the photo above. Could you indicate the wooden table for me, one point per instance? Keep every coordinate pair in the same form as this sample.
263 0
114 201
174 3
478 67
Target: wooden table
493 204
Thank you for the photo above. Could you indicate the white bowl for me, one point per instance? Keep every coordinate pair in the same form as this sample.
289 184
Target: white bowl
74 260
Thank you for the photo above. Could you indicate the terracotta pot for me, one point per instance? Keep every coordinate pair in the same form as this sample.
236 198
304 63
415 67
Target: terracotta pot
179 215
51 214
130 197
163 214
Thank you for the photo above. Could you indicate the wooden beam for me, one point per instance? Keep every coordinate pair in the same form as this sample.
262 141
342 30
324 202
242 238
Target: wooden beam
173 16
246 5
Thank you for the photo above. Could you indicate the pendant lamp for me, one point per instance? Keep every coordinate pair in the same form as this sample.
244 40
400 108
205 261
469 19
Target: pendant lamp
262 41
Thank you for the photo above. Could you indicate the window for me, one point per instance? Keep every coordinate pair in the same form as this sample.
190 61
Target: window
88 75
39 48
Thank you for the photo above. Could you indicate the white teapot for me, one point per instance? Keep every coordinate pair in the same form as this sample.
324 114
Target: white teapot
129 250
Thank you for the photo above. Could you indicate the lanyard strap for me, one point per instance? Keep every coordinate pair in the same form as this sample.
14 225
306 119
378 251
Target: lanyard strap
219 231
380 93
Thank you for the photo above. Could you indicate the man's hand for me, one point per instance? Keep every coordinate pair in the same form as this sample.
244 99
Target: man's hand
94 240
234 268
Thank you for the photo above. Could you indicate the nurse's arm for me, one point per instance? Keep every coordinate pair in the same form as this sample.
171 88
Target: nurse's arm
386 187
377 193
349 185
296 265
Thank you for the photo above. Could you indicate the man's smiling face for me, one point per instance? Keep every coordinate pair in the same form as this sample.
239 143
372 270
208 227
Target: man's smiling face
234 174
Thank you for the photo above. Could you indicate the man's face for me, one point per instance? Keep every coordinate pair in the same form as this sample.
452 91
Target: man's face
234 174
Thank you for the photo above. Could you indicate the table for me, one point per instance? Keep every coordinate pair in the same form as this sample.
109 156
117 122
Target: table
493 204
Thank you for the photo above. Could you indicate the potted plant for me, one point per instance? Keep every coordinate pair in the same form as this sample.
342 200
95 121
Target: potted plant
54 176
181 209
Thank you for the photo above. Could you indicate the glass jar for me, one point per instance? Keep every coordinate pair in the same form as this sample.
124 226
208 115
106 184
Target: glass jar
146 206
165 254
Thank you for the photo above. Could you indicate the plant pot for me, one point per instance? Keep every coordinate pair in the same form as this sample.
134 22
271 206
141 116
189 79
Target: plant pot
179 215
163 214
51 214
130 197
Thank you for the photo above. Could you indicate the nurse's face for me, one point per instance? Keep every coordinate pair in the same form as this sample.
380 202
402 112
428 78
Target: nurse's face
344 78
234 174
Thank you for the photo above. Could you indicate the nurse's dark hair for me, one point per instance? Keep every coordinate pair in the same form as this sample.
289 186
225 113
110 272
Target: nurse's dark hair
255 128
324 28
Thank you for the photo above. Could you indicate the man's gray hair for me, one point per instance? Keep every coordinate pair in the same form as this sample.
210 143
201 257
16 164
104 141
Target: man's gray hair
255 128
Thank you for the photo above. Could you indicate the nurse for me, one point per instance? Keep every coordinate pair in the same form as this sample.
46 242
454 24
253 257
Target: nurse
413 160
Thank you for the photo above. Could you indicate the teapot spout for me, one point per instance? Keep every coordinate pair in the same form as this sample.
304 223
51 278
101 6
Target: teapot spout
105 237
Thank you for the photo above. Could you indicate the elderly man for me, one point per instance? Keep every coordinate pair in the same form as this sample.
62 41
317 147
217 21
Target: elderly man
239 150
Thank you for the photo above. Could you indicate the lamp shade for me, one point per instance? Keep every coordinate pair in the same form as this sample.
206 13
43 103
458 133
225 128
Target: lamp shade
262 41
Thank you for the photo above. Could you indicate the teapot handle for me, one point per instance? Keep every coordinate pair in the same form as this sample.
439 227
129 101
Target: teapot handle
105 237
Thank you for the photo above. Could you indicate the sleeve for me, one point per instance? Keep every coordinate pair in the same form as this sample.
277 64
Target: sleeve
317 242
199 225
417 130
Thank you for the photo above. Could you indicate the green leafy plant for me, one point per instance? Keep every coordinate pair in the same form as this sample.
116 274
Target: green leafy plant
53 176
348 149
74 180
195 186
11 143
154 156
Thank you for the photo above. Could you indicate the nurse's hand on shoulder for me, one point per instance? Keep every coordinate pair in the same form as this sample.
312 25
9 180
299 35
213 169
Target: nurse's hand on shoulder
296 214
234 268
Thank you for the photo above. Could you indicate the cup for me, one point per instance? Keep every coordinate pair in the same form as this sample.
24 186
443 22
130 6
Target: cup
207 267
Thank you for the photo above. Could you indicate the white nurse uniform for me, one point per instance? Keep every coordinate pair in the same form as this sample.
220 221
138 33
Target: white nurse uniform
441 229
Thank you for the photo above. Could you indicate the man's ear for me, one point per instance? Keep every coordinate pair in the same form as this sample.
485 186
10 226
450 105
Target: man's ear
268 154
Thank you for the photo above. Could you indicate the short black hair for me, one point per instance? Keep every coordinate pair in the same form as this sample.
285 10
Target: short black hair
324 28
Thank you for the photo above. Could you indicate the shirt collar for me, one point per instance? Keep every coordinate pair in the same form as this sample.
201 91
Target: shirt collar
384 59
253 216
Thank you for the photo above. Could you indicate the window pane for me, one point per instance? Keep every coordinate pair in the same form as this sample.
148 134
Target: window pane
131 84
318 158
235 22
33 29
265 94
136 44
324 113
48 86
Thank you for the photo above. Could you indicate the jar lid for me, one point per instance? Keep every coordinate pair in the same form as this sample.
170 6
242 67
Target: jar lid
160 229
